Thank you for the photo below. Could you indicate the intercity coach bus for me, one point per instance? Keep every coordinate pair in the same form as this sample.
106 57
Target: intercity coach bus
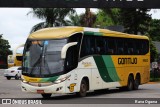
15 60
80 59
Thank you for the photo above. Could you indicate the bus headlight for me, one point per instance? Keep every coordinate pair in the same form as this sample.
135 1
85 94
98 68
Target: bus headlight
61 80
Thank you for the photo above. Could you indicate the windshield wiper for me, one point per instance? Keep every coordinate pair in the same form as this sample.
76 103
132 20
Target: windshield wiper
39 60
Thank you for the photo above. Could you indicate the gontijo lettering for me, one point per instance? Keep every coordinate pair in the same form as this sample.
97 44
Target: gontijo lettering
127 60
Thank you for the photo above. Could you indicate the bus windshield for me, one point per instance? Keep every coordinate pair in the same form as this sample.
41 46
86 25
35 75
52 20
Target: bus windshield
42 58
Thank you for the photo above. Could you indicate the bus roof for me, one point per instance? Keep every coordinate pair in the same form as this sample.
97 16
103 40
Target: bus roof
64 32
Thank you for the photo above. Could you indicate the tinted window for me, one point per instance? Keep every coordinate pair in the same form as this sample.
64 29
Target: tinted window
100 45
120 46
88 46
112 46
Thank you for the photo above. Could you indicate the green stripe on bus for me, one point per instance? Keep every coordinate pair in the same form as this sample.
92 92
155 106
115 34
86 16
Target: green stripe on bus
102 69
110 67
51 79
93 33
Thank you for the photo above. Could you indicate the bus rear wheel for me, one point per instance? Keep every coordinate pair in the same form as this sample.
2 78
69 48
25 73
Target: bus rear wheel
136 82
130 83
46 95
83 88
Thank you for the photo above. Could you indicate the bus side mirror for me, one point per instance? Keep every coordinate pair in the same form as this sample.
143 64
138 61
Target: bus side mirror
65 48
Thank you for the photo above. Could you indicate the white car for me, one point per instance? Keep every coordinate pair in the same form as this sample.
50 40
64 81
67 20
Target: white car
14 72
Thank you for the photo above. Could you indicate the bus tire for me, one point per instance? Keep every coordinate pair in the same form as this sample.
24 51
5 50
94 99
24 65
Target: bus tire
48 95
16 77
136 82
130 83
83 88
8 78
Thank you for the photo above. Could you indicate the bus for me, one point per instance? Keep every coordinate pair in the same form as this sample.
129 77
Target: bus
15 60
18 59
80 60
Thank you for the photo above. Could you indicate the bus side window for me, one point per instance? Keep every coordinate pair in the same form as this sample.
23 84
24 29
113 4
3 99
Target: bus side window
120 46
145 46
85 48
100 44
139 47
111 46
92 45
88 46
129 46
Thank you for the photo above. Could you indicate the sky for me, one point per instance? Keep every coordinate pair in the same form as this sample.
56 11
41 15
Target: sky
15 24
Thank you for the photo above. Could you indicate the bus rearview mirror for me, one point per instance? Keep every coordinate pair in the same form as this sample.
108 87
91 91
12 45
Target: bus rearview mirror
65 48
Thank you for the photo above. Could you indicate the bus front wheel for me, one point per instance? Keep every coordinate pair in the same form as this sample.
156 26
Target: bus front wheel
83 88
46 95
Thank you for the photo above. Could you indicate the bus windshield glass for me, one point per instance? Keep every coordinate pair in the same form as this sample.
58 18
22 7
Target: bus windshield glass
42 58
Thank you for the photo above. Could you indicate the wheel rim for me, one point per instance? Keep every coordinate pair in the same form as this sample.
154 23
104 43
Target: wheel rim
136 83
130 85
83 87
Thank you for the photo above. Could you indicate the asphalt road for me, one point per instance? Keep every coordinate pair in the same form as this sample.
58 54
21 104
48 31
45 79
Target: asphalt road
11 89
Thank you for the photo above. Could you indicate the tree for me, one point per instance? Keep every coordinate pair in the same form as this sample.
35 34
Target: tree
4 52
52 17
107 17
88 18
154 30
135 20
74 20
153 52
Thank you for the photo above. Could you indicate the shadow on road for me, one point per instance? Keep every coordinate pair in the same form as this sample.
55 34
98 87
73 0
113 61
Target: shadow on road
89 94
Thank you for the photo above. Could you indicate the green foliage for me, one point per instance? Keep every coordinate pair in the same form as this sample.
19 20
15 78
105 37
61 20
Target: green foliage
74 20
154 31
4 52
153 52
4 47
52 17
107 17
103 19
135 20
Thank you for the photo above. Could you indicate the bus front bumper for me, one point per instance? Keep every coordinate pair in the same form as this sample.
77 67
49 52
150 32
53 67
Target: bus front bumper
55 88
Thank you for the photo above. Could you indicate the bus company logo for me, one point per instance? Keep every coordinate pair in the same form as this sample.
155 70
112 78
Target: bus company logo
86 64
71 87
127 60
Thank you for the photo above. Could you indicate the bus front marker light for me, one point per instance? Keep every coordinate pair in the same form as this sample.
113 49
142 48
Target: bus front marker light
57 81
62 79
